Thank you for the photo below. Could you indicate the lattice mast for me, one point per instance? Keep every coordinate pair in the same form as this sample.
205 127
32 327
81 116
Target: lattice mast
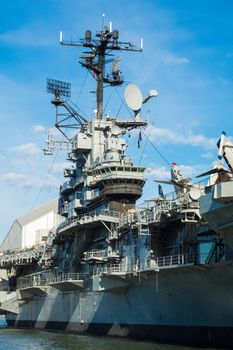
94 59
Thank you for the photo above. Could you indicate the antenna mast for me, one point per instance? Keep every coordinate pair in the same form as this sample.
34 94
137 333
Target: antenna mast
105 41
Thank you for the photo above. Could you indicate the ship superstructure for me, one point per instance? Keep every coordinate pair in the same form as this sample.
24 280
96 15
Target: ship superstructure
103 182
216 204
114 267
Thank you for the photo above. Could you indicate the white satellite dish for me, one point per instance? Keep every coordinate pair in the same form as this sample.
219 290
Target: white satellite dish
133 97
195 193
116 130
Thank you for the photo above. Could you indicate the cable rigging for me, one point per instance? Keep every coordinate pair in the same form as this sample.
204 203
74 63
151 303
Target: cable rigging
147 136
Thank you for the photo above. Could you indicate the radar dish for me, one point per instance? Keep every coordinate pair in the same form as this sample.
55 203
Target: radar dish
195 193
133 97
116 130
58 88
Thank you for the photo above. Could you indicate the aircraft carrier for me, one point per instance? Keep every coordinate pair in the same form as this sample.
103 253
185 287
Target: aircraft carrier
162 270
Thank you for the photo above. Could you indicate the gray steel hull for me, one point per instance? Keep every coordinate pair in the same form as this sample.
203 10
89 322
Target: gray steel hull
192 305
218 213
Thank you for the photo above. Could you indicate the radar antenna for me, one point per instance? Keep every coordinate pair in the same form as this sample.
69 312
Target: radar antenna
105 41
58 88
70 118
67 117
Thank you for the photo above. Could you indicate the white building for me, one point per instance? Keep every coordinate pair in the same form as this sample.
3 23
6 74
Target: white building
32 228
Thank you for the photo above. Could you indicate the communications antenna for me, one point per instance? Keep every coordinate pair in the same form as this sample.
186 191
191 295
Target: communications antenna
94 58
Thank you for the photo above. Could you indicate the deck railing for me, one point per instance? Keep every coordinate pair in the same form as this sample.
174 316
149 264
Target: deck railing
100 254
96 215
111 269
23 256
45 278
153 264
5 288
171 260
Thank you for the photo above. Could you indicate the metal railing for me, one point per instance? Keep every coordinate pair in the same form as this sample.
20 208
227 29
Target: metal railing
68 185
95 254
119 172
151 214
97 213
154 213
45 278
150 264
90 217
125 268
111 269
100 254
62 277
27 255
171 260
5 288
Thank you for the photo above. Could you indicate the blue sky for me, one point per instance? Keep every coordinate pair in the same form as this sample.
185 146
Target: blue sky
188 58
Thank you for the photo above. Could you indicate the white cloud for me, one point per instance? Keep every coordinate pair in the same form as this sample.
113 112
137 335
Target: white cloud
59 167
173 59
191 171
38 129
26 149
199 140
29 181
19 180
160 173
54 132
188 171
207 155
51 182
165 135
169 136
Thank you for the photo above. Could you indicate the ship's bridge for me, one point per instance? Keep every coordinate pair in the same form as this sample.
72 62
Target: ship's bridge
117 181
106 172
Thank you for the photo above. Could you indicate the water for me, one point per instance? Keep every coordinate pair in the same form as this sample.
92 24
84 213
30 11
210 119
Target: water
18 339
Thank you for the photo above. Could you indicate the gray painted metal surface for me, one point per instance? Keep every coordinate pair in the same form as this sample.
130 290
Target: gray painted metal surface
159 271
